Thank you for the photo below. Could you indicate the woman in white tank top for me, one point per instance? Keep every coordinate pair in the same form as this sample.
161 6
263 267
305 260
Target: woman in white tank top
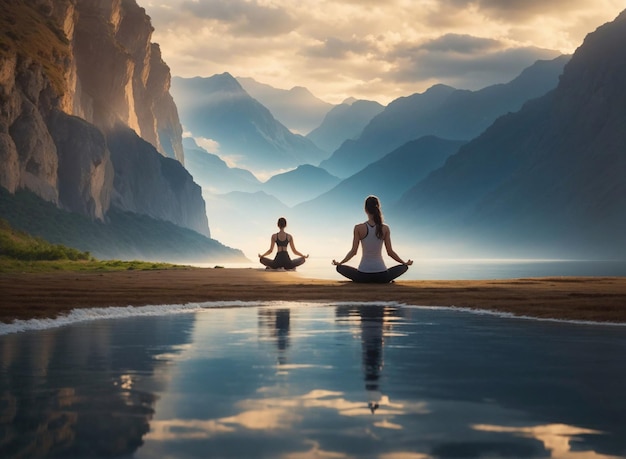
372 235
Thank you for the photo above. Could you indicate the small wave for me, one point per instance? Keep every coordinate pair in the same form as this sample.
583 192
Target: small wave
111 312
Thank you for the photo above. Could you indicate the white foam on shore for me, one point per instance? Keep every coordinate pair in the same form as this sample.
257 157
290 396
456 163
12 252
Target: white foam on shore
111 312
115 312
510 315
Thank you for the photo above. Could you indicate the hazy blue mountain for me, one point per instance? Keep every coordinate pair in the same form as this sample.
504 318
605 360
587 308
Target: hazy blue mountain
297 108
213 174
387 178
444 112
301 184
218 108
343 122
549 180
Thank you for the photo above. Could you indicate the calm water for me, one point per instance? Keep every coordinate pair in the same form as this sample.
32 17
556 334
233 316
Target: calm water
468 269
314 381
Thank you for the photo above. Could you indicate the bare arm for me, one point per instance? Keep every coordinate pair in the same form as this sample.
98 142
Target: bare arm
390 250
271 249
356 239
293 248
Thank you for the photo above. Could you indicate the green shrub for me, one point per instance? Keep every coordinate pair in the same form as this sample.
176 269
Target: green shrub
18 245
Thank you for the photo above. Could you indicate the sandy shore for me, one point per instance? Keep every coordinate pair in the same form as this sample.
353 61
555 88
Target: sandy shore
26 295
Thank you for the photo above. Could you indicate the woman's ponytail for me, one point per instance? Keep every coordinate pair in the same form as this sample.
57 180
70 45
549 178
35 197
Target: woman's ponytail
372 207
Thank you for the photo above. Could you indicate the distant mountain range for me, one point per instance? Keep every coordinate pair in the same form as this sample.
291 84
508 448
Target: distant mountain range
301 184
549 180
444 112
343 122
388 178
218 108
213 174
297 108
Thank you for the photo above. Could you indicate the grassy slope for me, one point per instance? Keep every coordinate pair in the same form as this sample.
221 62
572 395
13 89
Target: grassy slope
126 236
20 251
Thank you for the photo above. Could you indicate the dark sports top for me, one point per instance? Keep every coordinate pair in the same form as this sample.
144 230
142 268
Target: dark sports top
280 243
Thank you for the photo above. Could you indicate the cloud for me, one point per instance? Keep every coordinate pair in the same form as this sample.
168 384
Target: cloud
463 44
370 49
464 61
209 145
237 16
337 48
517 9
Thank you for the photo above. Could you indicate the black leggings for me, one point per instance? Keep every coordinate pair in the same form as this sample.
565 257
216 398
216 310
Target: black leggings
380 278
282 260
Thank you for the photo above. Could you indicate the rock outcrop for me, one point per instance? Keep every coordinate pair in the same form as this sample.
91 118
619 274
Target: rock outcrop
71 73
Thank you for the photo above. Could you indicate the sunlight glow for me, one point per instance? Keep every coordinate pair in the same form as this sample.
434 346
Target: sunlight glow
343 49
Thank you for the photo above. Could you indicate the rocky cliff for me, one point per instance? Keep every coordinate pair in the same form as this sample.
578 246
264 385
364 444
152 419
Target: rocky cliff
75 75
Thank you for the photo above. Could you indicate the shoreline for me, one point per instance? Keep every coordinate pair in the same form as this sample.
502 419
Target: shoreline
51 294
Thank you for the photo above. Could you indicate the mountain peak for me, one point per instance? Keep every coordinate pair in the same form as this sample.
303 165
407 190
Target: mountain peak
226 82
301 90
438 89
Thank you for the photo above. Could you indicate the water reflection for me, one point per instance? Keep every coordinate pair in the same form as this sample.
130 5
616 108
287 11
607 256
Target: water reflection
70 392
556 438
276 323
352 381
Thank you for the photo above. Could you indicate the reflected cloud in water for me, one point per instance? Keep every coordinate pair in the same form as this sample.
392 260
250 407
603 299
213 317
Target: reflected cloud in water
558 439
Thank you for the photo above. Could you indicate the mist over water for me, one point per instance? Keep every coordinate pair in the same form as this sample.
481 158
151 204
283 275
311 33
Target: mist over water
329 236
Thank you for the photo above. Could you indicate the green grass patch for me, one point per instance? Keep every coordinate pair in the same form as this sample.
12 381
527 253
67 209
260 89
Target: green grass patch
21 252
18 245
10 265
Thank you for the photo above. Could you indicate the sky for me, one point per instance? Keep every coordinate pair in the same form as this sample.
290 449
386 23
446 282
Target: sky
370 49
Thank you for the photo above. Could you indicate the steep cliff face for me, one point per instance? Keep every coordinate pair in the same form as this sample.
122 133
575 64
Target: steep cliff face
121 74
71 73
179 197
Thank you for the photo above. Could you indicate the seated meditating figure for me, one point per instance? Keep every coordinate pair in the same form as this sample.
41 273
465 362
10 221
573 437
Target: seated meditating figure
282 241
371 235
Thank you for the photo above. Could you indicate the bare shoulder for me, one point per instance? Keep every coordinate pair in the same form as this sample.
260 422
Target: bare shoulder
386 229
360 229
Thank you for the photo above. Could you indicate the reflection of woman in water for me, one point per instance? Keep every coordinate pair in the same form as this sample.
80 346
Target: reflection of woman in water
282 240
372 235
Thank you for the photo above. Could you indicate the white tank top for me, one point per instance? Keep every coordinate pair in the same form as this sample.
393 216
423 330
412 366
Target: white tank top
372 256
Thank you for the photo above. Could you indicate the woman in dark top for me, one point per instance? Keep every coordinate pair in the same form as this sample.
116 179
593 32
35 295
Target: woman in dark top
282 240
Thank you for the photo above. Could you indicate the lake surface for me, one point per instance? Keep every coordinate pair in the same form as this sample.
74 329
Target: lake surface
295 380
465 269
